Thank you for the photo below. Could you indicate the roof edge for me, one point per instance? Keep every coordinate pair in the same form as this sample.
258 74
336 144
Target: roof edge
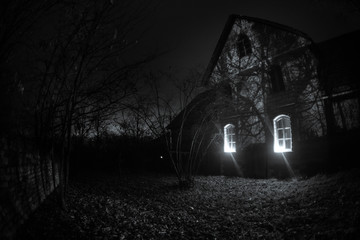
226 31
219 45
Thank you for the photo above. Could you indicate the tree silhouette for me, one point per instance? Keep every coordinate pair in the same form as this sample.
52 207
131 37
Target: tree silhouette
17 20
80 67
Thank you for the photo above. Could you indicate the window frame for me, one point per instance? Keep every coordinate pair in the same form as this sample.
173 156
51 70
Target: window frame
283 141
276 78
229 138
243 45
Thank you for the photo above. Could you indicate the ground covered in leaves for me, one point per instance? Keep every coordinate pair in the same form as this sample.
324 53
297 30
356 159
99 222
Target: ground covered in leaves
217 207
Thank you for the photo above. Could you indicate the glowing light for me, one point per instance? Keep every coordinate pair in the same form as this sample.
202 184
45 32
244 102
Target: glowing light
229 138
288 166
237 167
282 134
161 157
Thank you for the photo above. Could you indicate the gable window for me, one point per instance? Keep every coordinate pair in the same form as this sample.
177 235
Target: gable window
276 77
243 46
229 138
282 134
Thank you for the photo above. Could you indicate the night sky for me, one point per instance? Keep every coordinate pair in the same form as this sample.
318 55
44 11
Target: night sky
192 28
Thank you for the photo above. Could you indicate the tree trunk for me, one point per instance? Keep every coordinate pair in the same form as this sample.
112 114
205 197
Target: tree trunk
62 176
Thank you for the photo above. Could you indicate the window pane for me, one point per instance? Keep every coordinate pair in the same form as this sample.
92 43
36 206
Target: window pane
229 138
288 144
276 78
287 133
282 138
244 46
286 122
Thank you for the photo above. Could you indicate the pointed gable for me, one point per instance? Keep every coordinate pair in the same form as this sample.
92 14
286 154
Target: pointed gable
244 36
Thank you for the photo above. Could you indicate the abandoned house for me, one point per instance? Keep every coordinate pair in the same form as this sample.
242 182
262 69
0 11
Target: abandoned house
274 103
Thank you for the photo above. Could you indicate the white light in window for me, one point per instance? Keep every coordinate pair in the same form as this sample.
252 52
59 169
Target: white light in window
282 134
229 138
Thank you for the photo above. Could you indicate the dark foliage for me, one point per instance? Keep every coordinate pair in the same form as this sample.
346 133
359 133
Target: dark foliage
118 154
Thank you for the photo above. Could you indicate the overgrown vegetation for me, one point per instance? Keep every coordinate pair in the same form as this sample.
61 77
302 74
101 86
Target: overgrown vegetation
217 207
66 69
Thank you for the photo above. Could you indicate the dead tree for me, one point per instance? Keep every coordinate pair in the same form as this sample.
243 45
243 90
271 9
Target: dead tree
157 111
17 20
83 74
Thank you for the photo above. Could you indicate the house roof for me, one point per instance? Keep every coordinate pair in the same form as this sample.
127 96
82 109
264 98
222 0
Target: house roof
194 107
225 34
339 60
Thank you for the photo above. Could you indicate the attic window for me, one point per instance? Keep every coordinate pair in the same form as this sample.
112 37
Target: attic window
243 46
276 77
282 134
229 138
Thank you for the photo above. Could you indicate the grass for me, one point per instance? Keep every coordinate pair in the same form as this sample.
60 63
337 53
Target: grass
217 207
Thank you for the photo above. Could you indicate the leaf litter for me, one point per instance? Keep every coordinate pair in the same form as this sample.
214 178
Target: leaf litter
217 207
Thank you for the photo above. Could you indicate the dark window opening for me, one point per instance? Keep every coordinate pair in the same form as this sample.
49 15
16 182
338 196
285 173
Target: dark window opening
346 113
244 46
276 77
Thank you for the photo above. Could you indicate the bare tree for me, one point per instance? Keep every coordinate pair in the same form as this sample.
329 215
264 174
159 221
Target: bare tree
83 75
17 21
157 111
131 123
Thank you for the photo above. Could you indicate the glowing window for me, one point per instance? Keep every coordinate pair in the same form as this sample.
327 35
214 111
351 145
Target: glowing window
282 134
229 138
